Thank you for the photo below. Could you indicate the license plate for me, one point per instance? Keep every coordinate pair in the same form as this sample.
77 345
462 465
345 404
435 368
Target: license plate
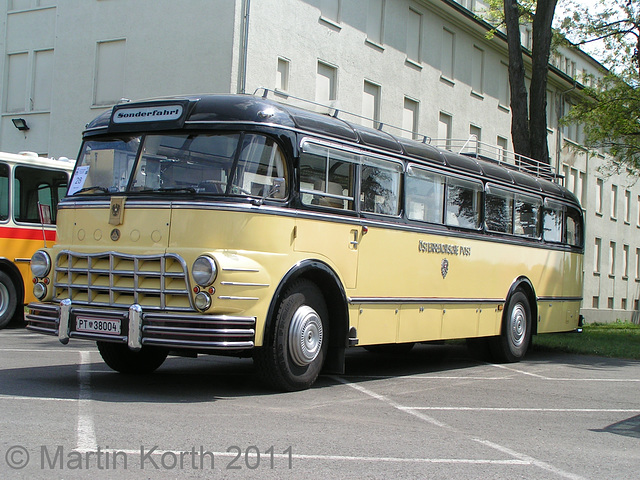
98 325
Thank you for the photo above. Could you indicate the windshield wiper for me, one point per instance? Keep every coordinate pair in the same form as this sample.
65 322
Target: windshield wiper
95 187
169 190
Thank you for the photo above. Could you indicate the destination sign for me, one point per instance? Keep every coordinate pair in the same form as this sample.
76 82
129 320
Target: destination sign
148 114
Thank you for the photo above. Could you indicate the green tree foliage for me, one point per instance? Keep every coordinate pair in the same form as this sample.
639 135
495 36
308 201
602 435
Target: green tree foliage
610 109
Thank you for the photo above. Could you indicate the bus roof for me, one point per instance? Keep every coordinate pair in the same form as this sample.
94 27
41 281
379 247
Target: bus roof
170 113
32 159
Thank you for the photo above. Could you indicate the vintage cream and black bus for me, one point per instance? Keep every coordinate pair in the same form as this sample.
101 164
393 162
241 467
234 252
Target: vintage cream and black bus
29 185
233 224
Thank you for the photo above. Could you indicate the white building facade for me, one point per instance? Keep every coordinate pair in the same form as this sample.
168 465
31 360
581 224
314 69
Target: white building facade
423 65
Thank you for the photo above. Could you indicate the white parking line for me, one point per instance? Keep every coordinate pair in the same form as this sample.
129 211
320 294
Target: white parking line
562 379
526 459
524 409
85 431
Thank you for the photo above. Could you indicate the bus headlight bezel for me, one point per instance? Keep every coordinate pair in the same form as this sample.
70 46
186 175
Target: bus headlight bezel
204 270
40 264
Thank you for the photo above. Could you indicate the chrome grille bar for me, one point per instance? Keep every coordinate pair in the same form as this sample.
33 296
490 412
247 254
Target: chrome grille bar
156 282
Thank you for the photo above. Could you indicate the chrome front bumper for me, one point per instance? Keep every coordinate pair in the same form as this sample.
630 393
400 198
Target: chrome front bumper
168 329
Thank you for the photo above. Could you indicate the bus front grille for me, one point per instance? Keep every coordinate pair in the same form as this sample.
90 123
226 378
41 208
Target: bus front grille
155 282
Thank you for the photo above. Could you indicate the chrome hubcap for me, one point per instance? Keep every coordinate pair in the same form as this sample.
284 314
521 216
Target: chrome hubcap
4 299
305 336
518 325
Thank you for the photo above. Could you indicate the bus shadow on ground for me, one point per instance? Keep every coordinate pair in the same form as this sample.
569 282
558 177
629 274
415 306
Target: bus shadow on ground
210 378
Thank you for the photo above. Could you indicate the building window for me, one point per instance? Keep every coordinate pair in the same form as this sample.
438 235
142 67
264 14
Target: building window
638 211
445 123
610 303
447 54
375 21
595 302
414 36
477 71
282 75
583 189
330 10
502 143
614 202
627 206
637 263
623 304
371 104
504 93
599 190
110 72
326 80
612 259
29 82
597 255
410 118
625 261
475 132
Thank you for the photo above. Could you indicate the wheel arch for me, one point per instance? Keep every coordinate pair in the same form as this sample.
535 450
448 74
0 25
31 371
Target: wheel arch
525 285
8 267
329 284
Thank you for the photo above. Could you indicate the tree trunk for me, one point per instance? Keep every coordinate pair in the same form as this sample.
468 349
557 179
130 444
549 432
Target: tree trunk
540 68
519 110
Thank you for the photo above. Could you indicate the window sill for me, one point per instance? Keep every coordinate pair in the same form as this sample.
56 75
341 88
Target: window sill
477 95
447 81
374 45
413 63
504 108
330 23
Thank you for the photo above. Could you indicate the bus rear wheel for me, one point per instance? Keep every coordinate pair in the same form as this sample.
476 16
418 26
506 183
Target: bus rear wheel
513 342
8 299
124 360
295 349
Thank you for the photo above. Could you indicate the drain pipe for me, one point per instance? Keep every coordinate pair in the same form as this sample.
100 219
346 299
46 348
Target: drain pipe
244 47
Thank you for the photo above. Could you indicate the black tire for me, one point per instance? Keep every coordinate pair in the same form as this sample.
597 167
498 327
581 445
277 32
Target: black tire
511 346
295 348
390 349
120 358
8 299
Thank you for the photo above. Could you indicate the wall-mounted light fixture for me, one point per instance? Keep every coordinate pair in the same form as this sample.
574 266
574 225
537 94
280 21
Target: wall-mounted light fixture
20 124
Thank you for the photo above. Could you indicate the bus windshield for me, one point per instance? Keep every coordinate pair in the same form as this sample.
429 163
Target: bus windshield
242 164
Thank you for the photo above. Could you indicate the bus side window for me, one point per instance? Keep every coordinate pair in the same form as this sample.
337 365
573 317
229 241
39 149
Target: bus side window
527 216
552 222
499 210
424 198
327 177
380 187
4 191
574 227
463 203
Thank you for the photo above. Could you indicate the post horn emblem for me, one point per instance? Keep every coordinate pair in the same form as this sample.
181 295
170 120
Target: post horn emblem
444 267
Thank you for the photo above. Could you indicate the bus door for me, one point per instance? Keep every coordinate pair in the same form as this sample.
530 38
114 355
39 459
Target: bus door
331 231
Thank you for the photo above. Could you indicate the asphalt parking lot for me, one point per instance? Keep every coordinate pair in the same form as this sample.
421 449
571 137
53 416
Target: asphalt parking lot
434 413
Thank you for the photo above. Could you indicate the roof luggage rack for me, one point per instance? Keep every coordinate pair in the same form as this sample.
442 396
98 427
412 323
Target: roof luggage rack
470 147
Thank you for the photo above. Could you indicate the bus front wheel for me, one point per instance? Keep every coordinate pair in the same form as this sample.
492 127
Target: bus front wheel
120 358
513 342
295 349
8 299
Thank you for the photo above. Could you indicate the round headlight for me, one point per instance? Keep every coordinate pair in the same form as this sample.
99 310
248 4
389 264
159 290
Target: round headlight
40 290
40 264
202 301
204 270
